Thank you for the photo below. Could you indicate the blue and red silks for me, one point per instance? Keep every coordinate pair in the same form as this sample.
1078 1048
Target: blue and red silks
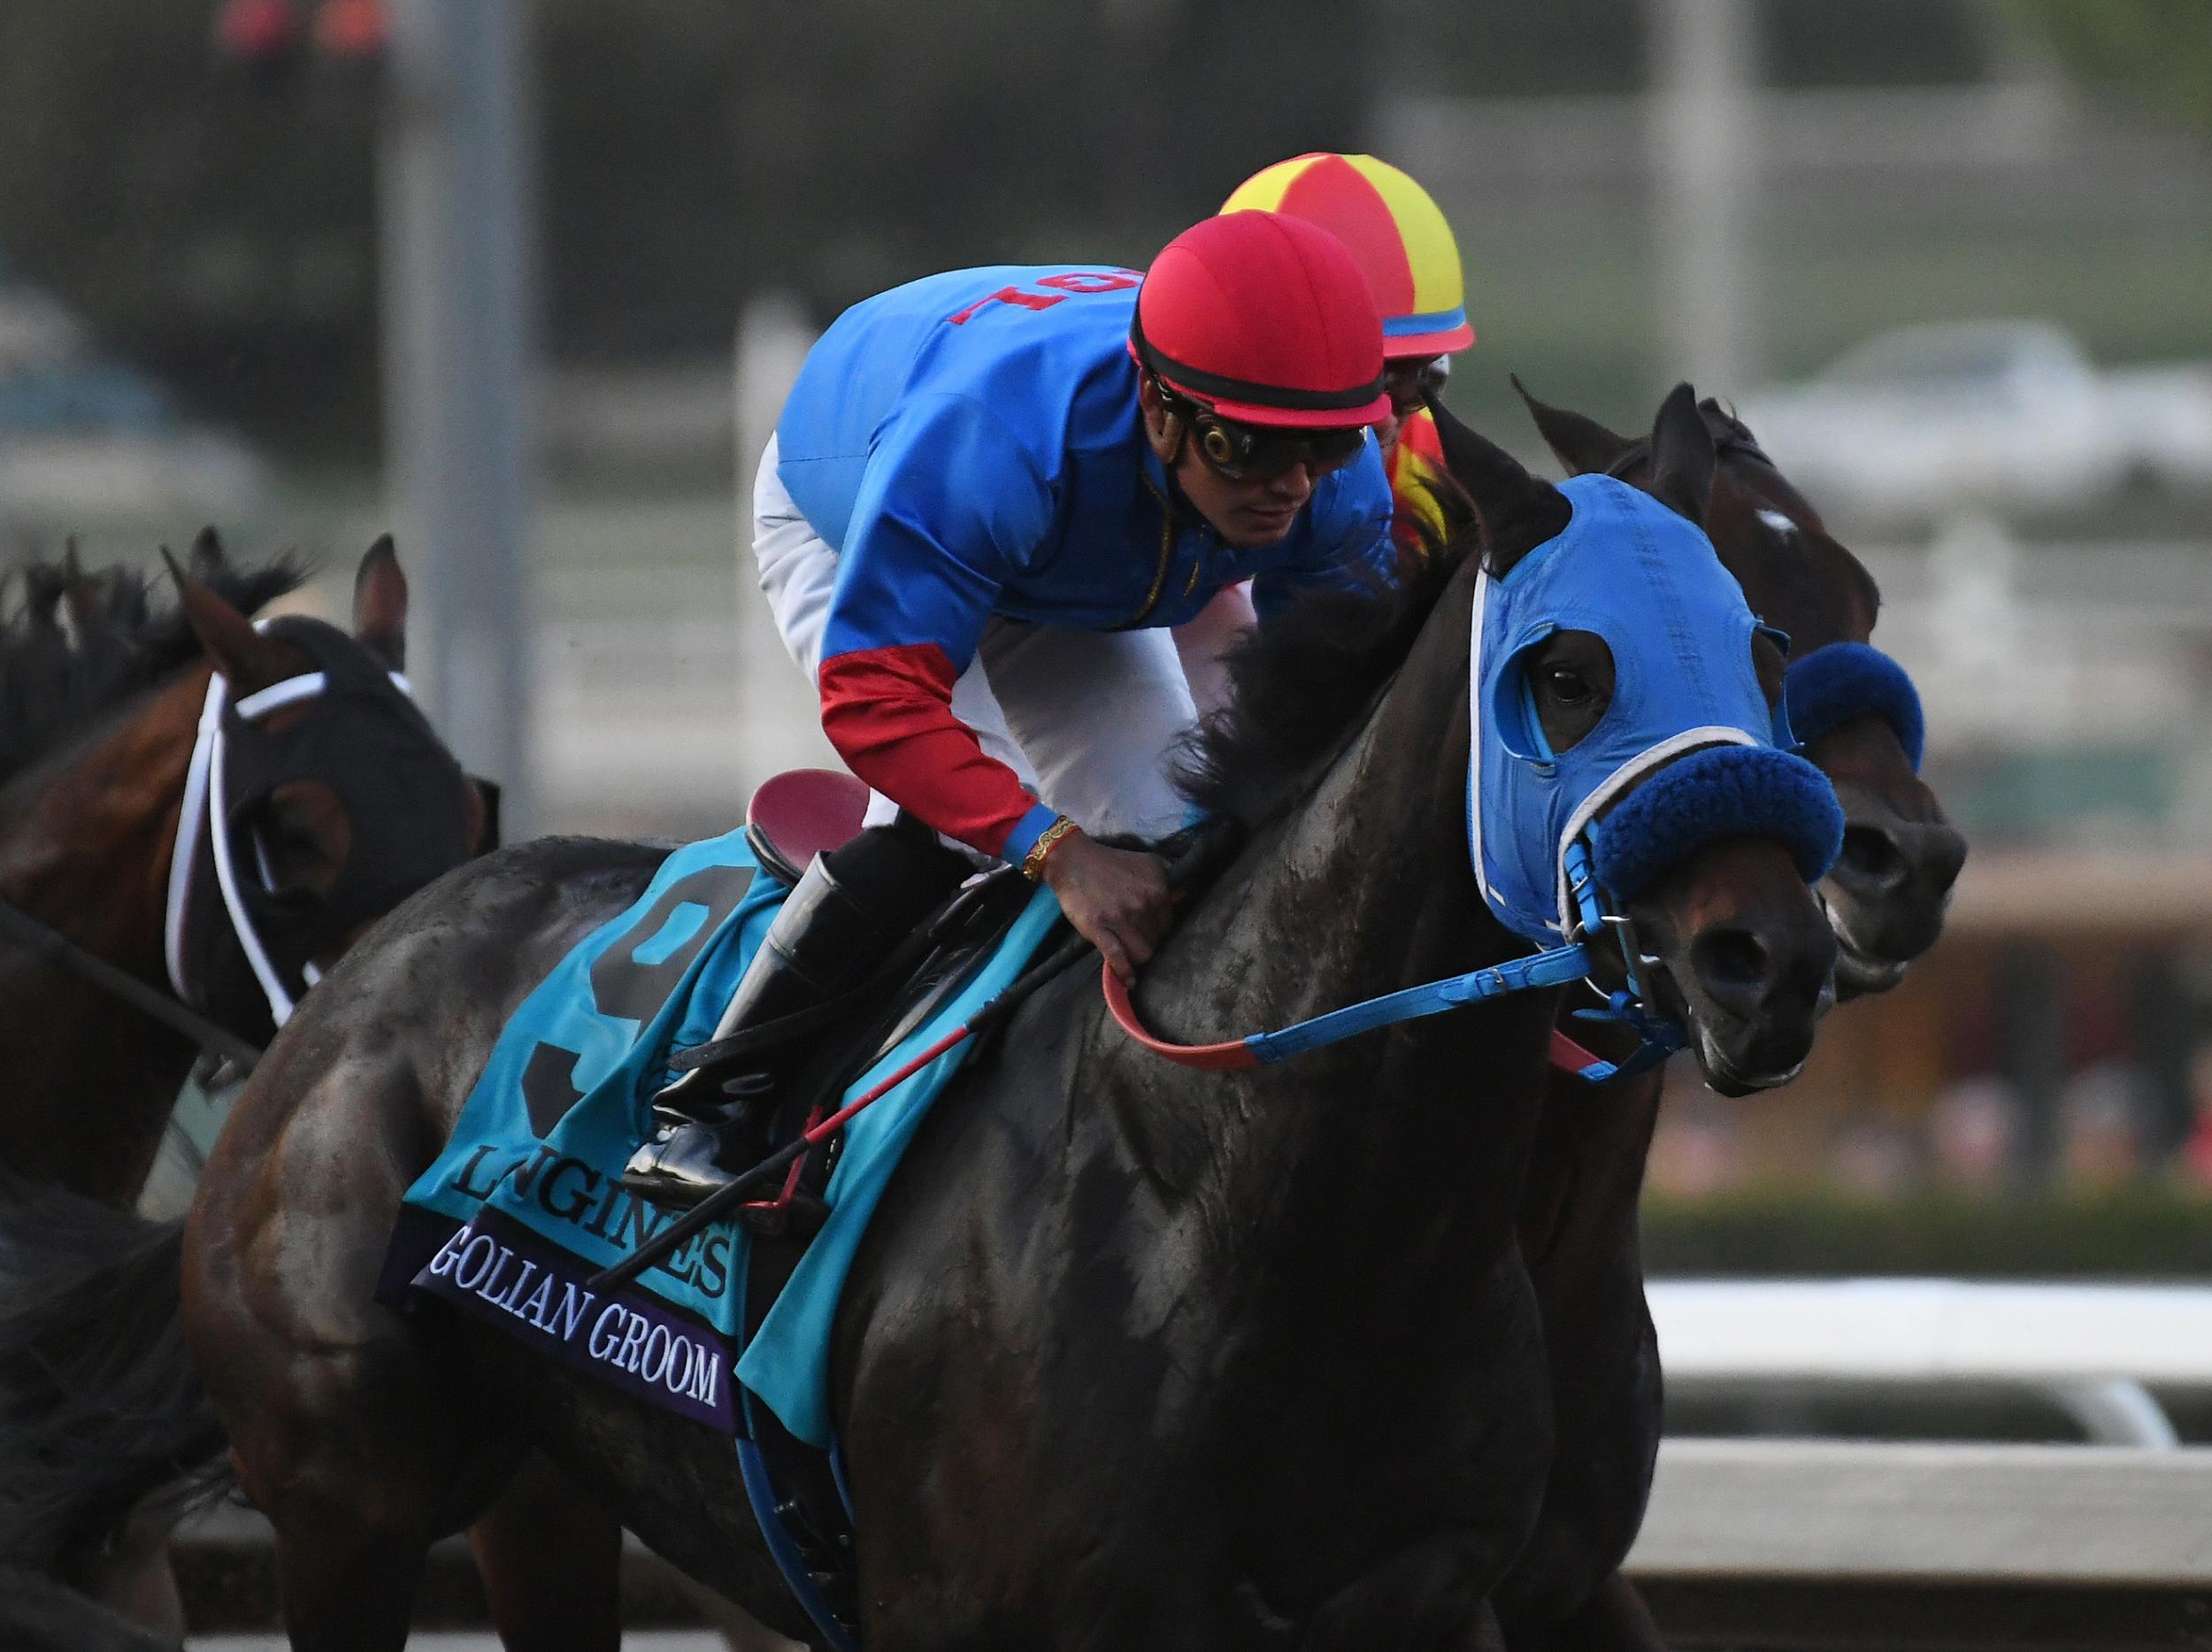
970 445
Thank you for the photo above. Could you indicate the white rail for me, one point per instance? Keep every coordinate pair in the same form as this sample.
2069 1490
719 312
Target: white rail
2095 1350
2041 1515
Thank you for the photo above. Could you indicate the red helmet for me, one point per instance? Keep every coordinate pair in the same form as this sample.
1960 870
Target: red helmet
1265 319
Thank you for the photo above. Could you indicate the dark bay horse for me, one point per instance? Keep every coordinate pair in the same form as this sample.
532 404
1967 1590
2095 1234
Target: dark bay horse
98 721
1133 1356
343 795
1885 898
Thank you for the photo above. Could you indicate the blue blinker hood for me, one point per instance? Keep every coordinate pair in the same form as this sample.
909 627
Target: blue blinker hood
1647 582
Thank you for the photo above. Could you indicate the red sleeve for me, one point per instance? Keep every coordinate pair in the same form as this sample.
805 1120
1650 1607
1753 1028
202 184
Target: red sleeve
888 711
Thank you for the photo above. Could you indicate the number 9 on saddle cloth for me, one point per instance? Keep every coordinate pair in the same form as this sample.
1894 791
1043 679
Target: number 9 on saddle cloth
851 909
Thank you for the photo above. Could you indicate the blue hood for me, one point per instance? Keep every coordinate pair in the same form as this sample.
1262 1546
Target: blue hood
1647 582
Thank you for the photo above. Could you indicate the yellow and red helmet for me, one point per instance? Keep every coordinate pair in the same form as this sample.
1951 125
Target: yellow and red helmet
1393 231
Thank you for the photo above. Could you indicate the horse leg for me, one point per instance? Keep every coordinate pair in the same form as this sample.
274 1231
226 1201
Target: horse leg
360 1480
1579 1234
139 1584
41 1614
1422 1599
349 1575
551 1560
361 1457
1613 1620
357 1430
740 1630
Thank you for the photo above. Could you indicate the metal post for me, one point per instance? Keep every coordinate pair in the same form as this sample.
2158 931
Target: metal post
1704 135
458 329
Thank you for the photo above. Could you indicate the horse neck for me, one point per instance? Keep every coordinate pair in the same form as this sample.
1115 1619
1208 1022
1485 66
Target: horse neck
85 843
1364 890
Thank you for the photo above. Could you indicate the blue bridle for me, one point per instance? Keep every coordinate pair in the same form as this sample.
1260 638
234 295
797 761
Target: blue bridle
1685 754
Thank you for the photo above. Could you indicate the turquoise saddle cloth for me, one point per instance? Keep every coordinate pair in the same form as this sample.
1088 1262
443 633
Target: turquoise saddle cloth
524 1205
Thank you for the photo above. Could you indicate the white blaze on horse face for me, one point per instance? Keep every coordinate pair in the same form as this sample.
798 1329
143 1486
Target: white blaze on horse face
1781 526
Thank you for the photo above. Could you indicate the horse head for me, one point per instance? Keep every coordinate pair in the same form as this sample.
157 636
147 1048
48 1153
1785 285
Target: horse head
1624 697
1854 712
337 793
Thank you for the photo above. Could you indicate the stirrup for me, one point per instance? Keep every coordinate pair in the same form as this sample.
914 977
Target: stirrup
679 1167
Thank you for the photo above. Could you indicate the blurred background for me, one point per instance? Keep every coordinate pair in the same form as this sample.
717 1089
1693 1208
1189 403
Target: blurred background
526 282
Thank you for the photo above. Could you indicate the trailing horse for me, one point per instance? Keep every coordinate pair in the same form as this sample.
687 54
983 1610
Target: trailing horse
335 800
198 815
1885 898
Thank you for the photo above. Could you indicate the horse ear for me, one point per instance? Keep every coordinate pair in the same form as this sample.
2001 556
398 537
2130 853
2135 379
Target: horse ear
207 552
1682 456
43 587
80 594
379 605
249 660
1578 441
1518 511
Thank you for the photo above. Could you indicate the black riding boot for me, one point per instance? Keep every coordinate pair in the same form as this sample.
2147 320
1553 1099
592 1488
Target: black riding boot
850 909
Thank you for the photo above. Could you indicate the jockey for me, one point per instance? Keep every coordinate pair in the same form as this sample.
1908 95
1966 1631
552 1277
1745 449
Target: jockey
988 493
1402 244
1405 247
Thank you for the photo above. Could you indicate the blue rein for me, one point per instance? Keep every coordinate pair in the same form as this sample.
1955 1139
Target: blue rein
1554 966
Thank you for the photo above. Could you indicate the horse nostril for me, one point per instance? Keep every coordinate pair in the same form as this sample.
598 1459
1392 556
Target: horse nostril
1942 855
1870 860
1733 965
1755 973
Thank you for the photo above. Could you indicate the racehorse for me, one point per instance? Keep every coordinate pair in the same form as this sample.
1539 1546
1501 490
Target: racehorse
1131 1356
342 794
1885 898
116 747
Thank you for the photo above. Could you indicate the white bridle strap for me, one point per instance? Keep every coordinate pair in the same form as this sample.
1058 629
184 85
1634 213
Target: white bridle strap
273 987
192 813
202 811
292 689
306 685
1474 736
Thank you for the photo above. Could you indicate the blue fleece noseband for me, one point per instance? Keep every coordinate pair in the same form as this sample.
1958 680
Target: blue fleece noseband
1685 753
1830 686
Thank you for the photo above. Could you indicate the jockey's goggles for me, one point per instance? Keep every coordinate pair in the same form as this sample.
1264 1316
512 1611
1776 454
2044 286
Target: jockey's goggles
1412 382
1251 453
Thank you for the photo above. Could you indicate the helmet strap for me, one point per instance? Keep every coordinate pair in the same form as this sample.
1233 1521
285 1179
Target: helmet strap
1177 426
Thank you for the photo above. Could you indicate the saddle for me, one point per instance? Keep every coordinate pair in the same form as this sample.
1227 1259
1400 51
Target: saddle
793 818
800 813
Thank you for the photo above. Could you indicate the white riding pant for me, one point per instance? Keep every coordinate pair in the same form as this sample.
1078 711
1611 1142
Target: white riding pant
1087 719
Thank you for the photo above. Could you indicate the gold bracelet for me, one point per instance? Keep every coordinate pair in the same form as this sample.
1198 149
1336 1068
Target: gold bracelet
1048 840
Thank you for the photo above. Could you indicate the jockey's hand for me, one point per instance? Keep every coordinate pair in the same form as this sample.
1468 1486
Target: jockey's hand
1117 898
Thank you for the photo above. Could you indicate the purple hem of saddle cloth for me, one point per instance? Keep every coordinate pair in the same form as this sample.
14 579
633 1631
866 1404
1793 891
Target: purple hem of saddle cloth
499 1270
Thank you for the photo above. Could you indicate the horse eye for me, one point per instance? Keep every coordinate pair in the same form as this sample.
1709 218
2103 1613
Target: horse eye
283 828
291 842
1568 686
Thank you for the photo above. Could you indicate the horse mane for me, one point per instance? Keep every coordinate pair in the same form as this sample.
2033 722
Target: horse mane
55 677
1298 682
